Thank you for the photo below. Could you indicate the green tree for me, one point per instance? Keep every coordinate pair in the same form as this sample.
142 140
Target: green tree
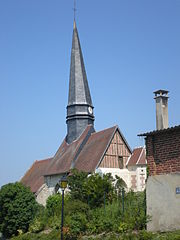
17 208
98 189
92 188
53 205
76 183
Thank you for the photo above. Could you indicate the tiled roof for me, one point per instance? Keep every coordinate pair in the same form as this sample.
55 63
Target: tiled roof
34 177
138 157
84 154
64 157
160 131
94 150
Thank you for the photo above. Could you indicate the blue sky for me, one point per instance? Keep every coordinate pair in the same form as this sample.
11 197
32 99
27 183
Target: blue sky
130 49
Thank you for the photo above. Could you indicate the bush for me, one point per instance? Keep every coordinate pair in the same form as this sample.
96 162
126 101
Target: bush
17 208
76 224
40 220
91 189
53 205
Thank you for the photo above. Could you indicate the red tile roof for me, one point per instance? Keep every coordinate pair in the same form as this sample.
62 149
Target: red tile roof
138 157
34 177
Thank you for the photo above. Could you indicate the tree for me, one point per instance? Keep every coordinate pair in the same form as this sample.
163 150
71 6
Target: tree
76 184
17 208
99 188
92 188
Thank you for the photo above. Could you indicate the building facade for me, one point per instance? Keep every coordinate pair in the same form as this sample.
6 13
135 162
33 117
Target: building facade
83 148
163 183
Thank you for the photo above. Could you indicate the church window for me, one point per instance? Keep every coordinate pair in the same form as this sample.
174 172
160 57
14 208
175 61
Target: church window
120 162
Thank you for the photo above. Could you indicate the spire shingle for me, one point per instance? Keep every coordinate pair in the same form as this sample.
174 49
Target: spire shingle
79 108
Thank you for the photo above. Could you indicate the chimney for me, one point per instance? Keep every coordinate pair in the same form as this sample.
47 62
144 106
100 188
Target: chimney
161 97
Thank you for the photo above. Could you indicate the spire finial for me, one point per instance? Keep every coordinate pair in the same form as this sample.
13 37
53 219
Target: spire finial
74 9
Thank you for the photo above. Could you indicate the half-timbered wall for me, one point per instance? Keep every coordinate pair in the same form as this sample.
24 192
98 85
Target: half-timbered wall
116 153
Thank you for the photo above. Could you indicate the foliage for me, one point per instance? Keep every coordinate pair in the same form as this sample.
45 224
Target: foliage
76 183
17 208
53 205
91 189
76 224
39 222
75 206
141 235
99 189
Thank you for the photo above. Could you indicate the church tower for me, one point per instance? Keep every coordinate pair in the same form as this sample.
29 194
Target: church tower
79 108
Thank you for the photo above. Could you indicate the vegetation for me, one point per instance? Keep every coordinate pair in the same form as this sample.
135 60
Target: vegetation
17 208
95 208
141 235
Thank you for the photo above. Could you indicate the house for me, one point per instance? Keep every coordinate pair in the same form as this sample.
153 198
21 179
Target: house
163 159
83 148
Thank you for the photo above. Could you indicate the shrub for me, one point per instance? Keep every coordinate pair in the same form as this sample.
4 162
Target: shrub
77 224
53 205
17 208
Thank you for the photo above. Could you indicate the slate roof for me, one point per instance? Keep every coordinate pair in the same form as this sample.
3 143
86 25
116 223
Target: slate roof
34 177
79 92
138 157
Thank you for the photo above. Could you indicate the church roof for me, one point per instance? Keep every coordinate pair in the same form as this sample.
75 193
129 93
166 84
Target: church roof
64 158
94 150
138 157
34 177
79 92
84 154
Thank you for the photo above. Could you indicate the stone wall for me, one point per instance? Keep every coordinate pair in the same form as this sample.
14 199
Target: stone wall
47 189
163 202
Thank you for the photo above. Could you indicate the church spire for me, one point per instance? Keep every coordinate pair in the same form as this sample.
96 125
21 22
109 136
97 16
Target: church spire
79 109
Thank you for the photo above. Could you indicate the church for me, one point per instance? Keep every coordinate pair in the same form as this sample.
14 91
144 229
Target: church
83 148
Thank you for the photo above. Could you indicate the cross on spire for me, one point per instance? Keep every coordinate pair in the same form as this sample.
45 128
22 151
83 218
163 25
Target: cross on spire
74 9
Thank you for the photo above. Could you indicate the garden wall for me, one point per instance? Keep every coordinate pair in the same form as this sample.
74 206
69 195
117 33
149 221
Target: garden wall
163 202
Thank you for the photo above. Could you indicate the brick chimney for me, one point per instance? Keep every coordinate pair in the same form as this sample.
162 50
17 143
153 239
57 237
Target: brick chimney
161 97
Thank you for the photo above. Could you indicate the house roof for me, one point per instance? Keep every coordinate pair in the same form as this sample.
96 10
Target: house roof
165 130
34 177
138 157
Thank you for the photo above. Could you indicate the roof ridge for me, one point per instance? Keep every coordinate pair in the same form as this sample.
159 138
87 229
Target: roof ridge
26 173
83 143
105 129
43 160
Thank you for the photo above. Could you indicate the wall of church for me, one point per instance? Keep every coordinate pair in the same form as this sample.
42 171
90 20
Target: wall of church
117 154
48 188
122 173
43 194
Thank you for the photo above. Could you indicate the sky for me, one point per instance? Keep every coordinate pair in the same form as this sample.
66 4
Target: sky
130 47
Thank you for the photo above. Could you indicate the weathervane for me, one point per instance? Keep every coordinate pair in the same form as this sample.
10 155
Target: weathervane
74 9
